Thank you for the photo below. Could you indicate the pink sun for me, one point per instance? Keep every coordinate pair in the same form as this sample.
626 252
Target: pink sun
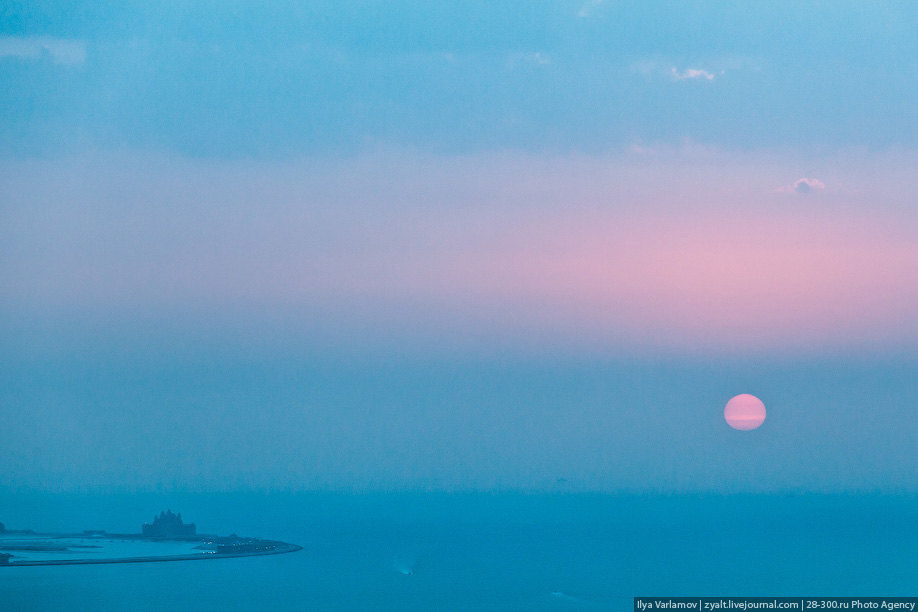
744 412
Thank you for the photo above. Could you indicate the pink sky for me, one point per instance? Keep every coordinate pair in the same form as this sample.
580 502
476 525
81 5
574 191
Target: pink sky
576 250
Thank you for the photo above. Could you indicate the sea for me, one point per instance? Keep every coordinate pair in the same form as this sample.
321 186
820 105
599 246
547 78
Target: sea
430 552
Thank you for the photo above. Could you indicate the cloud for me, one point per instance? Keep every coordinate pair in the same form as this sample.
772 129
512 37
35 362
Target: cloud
804 185
535 59
64 51
692 73
657 67
588 8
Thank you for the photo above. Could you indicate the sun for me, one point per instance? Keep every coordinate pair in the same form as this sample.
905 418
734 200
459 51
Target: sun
744 412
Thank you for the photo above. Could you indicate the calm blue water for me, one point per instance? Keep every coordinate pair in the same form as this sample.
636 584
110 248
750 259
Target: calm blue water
431 552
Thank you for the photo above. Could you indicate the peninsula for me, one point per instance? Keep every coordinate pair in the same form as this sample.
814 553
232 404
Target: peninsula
167 538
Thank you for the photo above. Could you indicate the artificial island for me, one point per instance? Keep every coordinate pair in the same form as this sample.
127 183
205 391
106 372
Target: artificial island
167 538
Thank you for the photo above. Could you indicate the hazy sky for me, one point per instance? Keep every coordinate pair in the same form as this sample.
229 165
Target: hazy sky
477 245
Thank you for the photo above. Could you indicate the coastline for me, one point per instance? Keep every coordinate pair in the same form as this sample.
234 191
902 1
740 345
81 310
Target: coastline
246 547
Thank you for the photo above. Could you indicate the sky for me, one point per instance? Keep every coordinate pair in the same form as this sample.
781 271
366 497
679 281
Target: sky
457 246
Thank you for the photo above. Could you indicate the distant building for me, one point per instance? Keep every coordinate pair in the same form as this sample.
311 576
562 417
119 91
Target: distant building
2 528
5 558
168 525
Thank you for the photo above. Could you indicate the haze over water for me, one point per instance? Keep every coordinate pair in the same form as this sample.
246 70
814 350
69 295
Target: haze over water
493 552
